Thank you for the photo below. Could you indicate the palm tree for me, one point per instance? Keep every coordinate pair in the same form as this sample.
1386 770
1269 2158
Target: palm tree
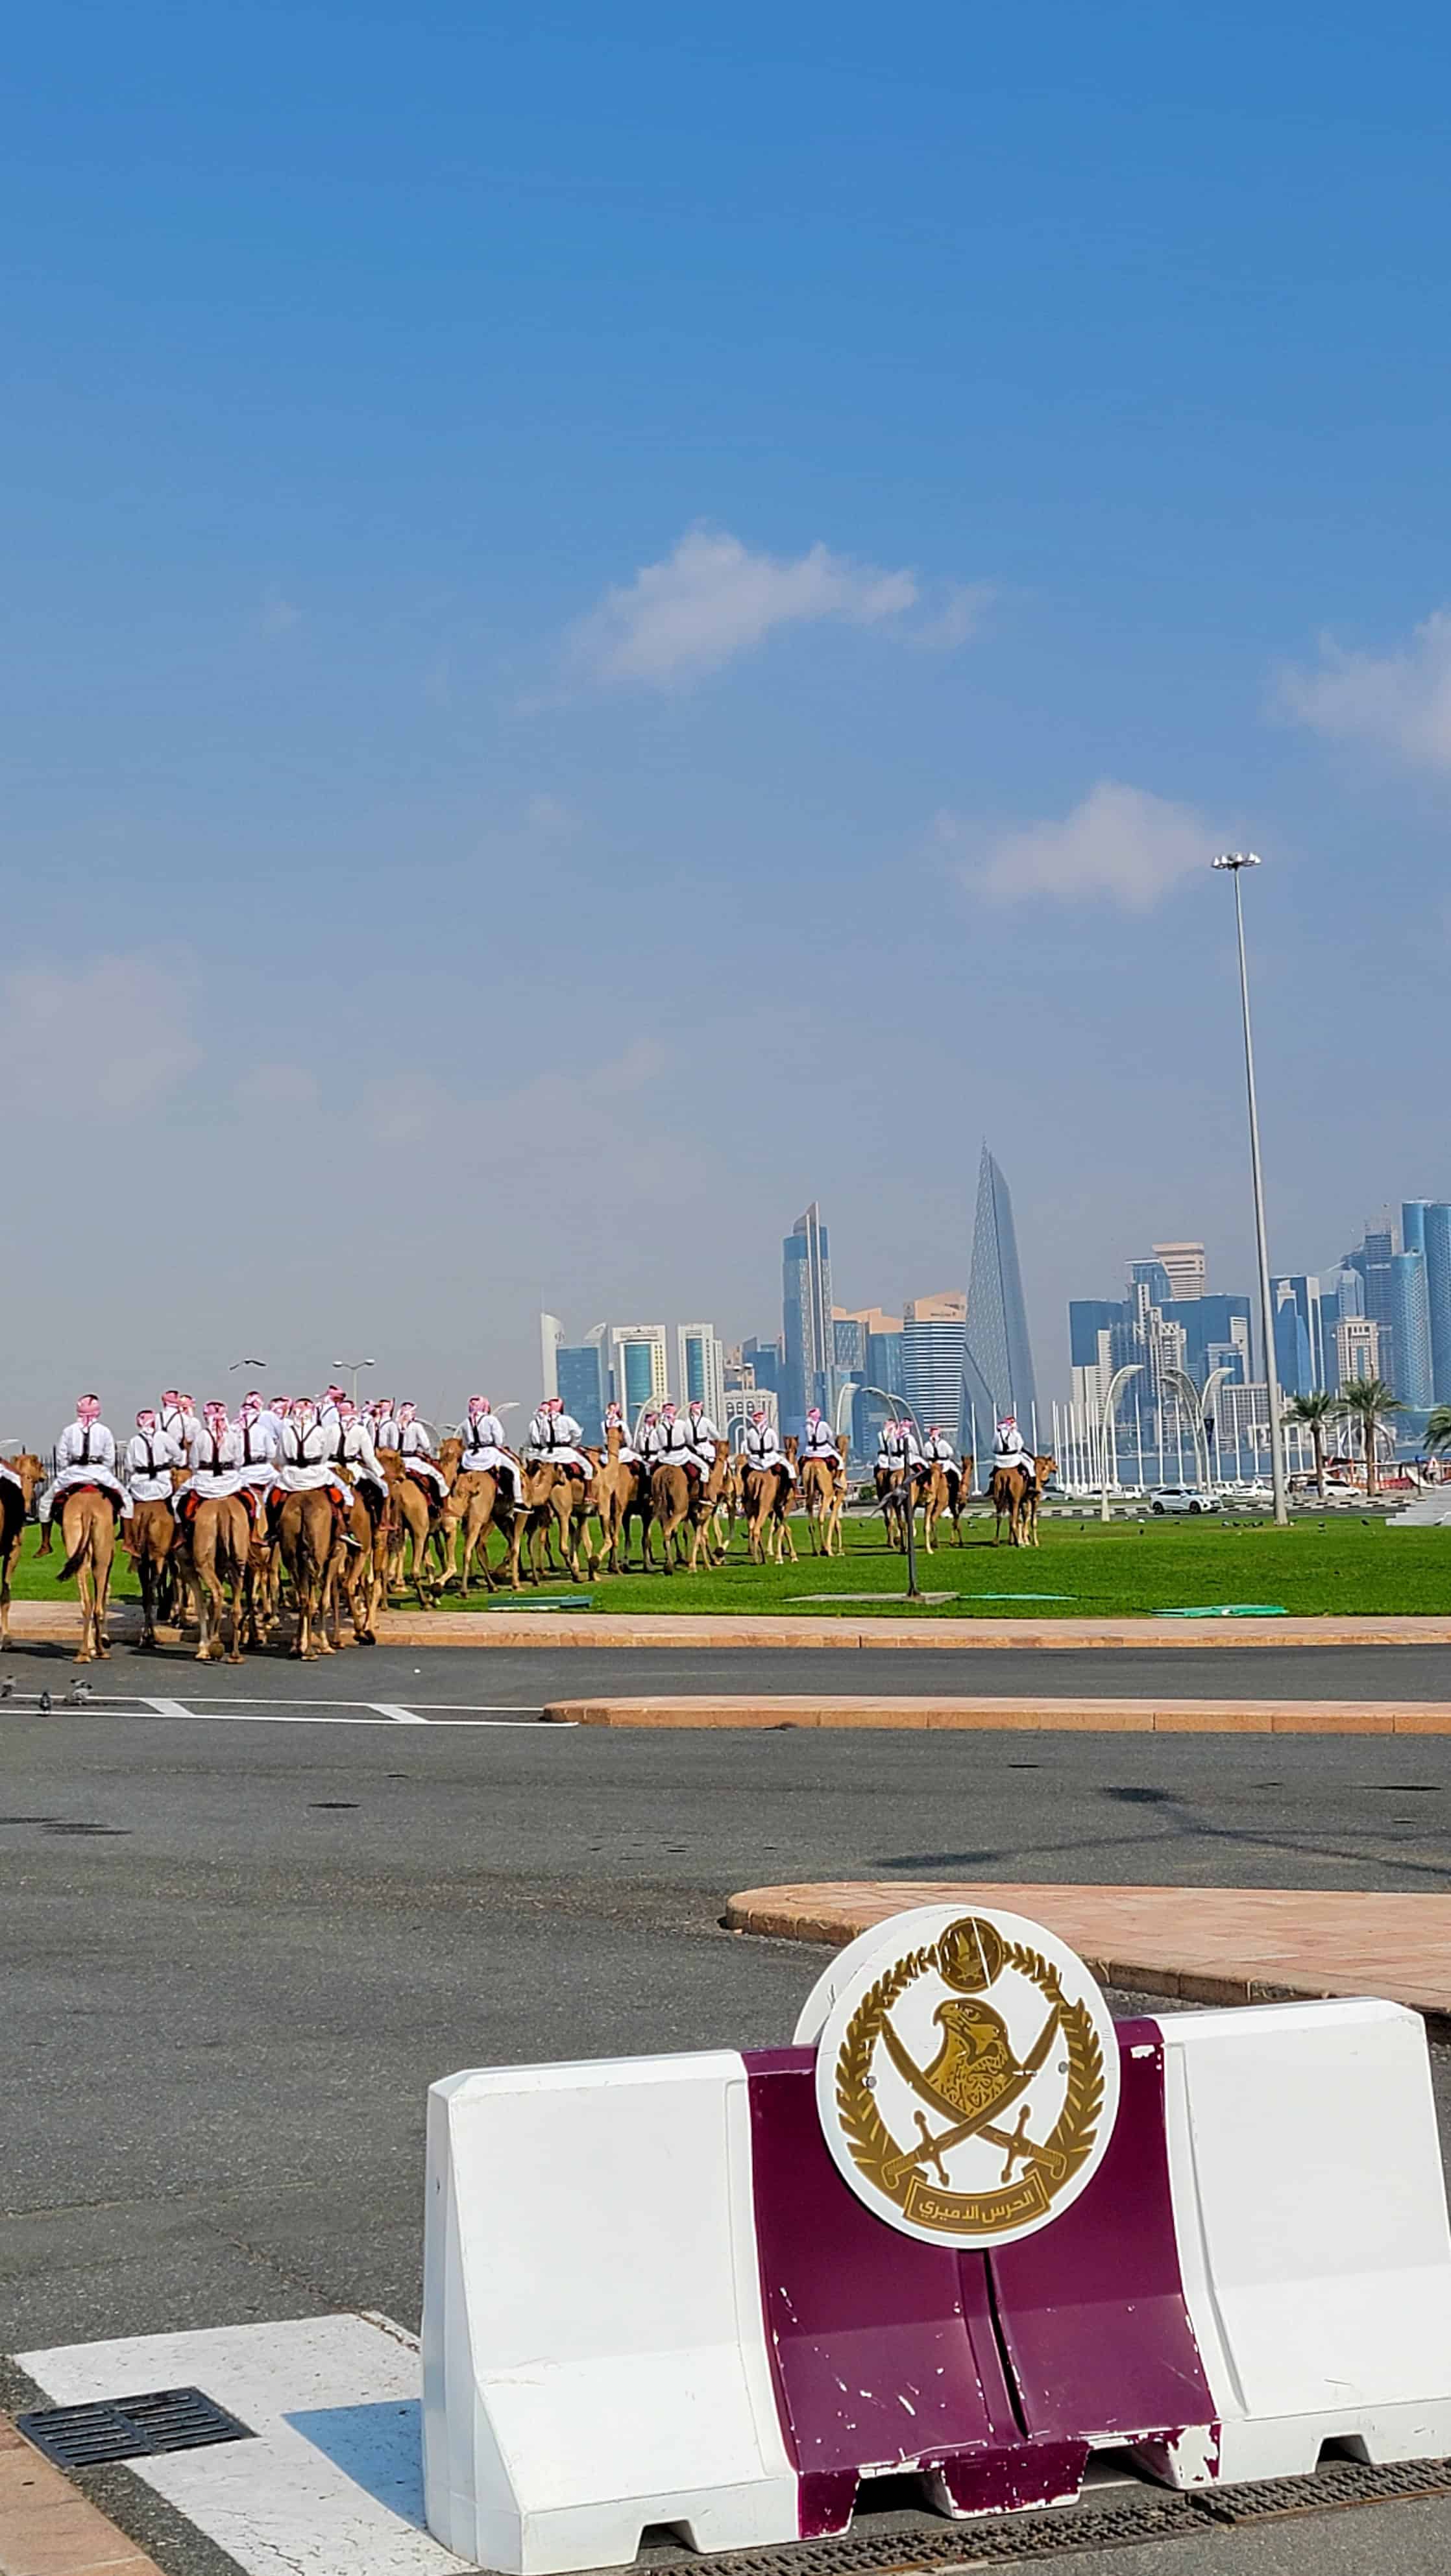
1370 1402
1438 1429
1314 1413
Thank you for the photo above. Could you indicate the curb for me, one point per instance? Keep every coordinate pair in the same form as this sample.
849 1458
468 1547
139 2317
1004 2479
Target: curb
1211 1945
48 2528
1090 1716
35 1622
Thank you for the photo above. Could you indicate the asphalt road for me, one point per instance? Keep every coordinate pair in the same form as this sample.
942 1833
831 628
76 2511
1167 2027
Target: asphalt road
236 1946
528 1676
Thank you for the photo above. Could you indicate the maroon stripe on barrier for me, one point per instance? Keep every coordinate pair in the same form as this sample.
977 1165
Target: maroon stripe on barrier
883 2350
1092 2310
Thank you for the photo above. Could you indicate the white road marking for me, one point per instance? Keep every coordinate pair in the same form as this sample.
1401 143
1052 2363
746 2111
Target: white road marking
241 1711
333 2481
164 1707
400 1716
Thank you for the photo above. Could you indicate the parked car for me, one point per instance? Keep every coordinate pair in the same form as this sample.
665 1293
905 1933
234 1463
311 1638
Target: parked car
1182 1498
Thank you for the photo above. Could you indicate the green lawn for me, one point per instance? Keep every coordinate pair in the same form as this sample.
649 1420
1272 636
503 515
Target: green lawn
1316 1566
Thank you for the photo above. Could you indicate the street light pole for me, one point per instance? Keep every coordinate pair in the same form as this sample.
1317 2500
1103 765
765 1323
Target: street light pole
1119 1378
1234 861
355 1366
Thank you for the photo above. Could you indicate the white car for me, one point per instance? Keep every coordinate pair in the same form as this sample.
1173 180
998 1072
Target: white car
1182 1498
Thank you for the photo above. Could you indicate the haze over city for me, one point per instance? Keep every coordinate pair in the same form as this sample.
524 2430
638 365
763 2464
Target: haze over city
615 629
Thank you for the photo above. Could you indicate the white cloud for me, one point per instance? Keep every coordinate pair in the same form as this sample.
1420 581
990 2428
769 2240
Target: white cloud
963 608
112 1036
1400 701
714 598
1120 842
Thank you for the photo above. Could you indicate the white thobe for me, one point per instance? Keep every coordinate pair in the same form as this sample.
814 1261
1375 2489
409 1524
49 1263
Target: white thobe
703 1438
554 1440
149 1463
354 1450
260 1441
304 1459
940 1452
85 1454
820 1444
414 1444
484 1452
764 1450
215 1458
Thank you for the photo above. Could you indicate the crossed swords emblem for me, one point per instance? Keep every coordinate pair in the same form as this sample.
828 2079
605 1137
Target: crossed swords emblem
1018 2147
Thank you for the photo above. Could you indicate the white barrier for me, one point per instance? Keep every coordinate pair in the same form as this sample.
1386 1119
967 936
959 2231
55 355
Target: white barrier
1310 2209
593 2352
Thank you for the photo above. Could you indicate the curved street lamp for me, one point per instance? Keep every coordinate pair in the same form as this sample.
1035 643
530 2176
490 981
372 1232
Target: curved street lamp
1119 1378
1235 861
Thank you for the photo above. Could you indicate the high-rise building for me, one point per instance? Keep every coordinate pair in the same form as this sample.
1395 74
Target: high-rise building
934 1352
1186 1266
810 1371
700 1368
998 1361
1357 1349
579 1381
638 1375
1300 1294
740 1404
1411 1330
551 1334
1435 1242
763 1360
1373 1262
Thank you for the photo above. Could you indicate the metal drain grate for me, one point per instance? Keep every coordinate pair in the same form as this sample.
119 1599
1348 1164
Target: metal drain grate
1135 2516
130 2428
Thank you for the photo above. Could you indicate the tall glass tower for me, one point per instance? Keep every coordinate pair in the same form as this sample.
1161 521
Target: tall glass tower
809 1375
998 1370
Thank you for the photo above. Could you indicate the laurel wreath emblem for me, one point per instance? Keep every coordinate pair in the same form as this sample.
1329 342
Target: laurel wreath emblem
872 2146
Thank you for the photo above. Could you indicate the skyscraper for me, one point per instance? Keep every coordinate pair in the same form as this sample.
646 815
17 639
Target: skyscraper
934 1349
551 1334
1411 1330
1437 1238
580 1384
637 1367
998 1360
700 1369
1186 1266
809 1376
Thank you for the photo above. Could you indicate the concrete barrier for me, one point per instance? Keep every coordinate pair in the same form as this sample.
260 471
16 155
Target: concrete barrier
655 2295
594 2356
1313 2243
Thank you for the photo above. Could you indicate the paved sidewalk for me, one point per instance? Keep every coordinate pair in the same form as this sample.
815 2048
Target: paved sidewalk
1220 1945
1038 1716
47 2527
59 1622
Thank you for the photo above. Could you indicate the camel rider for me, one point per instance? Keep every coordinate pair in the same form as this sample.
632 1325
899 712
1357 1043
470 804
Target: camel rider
763 1445
260 1426
938 1451
897 1450
327 1405
151 1453
819 1441
179 1418
355 1456
1011 1450
214 1454
704 1436
627 1453
385 1423
554 1439
417 1451
650 1440
85 1454
677 1442
484 1452
305 1465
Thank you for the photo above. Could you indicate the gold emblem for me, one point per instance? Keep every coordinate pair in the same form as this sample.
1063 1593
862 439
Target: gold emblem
978 2091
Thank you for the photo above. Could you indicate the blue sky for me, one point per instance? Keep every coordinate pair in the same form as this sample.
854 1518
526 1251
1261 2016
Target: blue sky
613 621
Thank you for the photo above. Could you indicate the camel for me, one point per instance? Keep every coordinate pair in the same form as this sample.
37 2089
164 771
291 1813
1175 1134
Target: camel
410 1513
478 1502
889 1481
679 1501
767 1496
355 1575
218 1546
621 1492
150 1540
944 1489
556 1505
823 1493
88 1528
15 1502
307 1534
1015 1493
